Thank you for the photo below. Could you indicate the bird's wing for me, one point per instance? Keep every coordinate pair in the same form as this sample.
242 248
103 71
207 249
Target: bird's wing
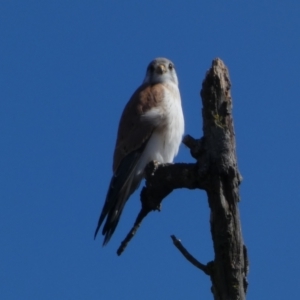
141 116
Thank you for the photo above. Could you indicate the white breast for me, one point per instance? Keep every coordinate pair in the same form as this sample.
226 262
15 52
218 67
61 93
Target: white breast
165 141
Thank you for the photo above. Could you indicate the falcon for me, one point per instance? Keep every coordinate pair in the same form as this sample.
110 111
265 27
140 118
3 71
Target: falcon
150 129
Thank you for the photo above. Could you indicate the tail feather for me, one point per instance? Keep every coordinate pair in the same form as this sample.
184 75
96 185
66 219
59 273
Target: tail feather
122 185
114 214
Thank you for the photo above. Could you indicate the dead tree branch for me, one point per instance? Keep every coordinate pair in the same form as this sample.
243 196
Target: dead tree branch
229 277
205 268
161 180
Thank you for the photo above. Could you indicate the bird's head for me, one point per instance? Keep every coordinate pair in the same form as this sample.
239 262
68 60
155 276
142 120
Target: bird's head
161 70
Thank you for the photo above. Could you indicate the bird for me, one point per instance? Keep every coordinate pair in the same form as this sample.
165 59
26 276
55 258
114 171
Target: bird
150 129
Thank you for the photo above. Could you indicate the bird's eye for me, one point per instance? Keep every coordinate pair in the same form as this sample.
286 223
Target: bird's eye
151 68
171 66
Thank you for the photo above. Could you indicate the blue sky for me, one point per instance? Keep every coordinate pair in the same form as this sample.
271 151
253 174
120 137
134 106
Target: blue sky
67 70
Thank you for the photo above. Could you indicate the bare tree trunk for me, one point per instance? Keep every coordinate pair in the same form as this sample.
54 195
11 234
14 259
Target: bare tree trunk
217 173
230 264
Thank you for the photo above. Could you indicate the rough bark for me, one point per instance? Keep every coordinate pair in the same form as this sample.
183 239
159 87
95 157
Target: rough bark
230 264
217 173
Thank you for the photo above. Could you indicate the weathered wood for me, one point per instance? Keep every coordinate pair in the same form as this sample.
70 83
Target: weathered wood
230 265
161 180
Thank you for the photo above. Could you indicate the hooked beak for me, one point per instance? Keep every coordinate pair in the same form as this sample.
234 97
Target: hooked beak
160 69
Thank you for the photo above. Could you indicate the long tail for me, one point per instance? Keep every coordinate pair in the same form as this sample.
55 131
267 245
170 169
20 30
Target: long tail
122 185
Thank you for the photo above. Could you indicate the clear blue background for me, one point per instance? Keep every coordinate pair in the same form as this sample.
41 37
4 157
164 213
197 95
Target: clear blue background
67 70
